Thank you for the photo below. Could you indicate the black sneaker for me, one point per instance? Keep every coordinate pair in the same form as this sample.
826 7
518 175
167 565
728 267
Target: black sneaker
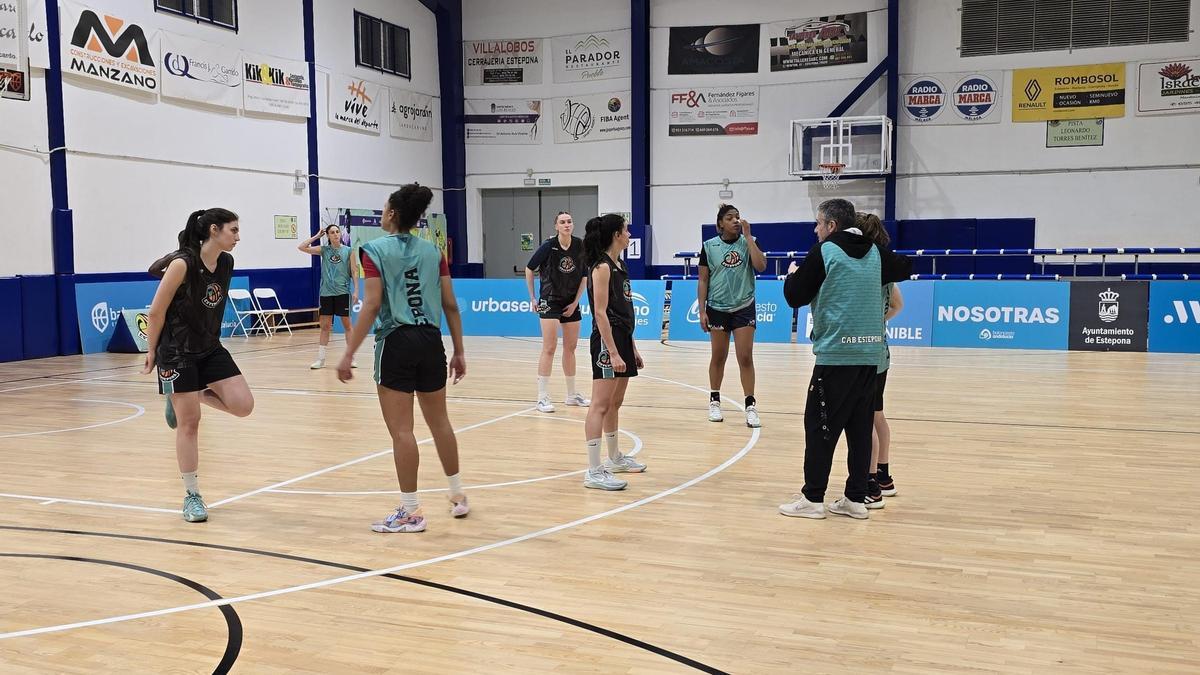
887 486
873 502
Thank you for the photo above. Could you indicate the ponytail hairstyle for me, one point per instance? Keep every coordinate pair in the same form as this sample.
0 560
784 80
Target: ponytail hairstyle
409 202
872 228
598 235
193 235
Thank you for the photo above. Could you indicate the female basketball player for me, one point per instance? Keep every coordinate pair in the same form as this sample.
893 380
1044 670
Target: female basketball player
881 483
408 288
339 284
725 292
615 357
184 339
559 263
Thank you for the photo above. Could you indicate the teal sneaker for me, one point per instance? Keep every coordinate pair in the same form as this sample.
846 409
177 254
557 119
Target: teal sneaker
194 510
170 414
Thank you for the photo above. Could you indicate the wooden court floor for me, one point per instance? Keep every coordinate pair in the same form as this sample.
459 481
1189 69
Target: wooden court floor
1044 524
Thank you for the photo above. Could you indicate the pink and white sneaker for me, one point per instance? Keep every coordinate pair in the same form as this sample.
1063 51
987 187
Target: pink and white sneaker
401 521
459 507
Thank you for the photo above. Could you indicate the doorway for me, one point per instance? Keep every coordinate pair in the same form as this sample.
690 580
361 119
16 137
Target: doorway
516 221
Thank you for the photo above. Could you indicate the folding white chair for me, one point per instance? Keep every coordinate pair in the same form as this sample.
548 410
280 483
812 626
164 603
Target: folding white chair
240 298
277 313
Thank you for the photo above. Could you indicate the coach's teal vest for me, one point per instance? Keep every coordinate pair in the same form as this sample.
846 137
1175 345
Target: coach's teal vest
847 312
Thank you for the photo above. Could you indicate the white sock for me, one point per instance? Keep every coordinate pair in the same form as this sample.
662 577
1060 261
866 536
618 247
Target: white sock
610 441
321 353
593 447
409 501
191 482
543 387
455 485
571 390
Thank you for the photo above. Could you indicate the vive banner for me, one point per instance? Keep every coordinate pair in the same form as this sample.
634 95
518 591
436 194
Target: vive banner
1109 316
1175 316
354 103
773 317
1001 314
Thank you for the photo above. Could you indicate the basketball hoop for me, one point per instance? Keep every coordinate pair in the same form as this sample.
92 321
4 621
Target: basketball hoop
830 172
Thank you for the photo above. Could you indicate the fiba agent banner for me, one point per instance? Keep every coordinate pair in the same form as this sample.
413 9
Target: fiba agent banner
1175 316
1109 316
702 50
592 117
773 317
502 62
818 41
951 98
1001 314
1068 92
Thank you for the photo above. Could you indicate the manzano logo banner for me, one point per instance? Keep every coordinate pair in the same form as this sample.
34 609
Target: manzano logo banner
100 46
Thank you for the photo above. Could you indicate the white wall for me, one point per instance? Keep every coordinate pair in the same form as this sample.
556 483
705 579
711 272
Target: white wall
604 164
687 172
1081 196
359 170
25 175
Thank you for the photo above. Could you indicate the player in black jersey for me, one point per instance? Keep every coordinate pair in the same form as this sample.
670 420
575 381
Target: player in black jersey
559 263
184 339
615 357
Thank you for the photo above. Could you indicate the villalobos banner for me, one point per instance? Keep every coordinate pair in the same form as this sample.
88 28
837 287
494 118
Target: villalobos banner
502 62
1109 316
700 50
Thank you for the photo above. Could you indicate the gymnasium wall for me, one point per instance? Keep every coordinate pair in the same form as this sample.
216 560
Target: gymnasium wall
25 183
604 164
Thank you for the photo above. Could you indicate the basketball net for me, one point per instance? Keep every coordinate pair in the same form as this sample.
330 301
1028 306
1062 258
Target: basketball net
830 173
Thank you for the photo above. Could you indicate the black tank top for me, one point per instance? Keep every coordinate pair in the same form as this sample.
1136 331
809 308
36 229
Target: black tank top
193 325
620 296
559 270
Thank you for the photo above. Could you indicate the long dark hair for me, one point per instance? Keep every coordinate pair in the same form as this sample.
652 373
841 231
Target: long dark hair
193 235
599 233
409 202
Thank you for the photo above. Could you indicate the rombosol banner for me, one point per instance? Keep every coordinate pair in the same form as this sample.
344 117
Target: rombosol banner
592 117
354 103
503 122
274 85
101 46
502 62
951 98
592 56
196 70
1068 92
411 115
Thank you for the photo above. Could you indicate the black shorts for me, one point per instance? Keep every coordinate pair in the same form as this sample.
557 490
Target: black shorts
411 358
196 375
731 321
880 384
335 305
600 358
552 309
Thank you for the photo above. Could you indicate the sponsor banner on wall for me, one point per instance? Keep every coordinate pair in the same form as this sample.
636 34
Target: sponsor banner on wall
714 111
773 317
1068 92
1109 316
274 85
951 98
592 56
1168 86
818 41
38 46
354 103
502 61
1074 133
592 117
701 50
201 71
14 84
648 299
12 35
1001 314
99 307
100 46
511 122
912 327
411 115
1175 316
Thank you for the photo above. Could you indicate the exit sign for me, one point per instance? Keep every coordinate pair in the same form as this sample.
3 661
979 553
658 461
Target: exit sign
543 181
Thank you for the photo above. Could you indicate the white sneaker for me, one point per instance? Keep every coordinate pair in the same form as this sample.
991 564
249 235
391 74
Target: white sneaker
714 412
845 507
544 405
601 479
318 364
624 464
354 363
577 400
459 507
752 418
802 508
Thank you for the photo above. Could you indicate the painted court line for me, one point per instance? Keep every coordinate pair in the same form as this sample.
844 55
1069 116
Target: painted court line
84 502
140 411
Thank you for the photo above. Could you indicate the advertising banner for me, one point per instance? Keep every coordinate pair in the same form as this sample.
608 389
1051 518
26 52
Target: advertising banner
1175 316
818 41
592 117
273 85
703 50
12 35
951 98
1168 86
411 115
502 62
592 56
714 111
1001 314
99 46
196 70
1068 92
354 103
491 122
1109 316
773 320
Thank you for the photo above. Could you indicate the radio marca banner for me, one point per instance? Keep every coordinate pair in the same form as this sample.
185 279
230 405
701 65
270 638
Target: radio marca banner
354 103
714 111
951 98
196 70
503 122
591 56
412 115
502 62
818 41
1169 86
1068 92
274 85
99 46
592 117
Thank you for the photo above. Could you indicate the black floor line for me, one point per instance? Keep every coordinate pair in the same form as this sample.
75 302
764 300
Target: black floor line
634 642
233 645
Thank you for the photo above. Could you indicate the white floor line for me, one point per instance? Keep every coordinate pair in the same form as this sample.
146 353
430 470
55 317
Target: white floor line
84 502
372 395
140 411
352 462
637 447
399 568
